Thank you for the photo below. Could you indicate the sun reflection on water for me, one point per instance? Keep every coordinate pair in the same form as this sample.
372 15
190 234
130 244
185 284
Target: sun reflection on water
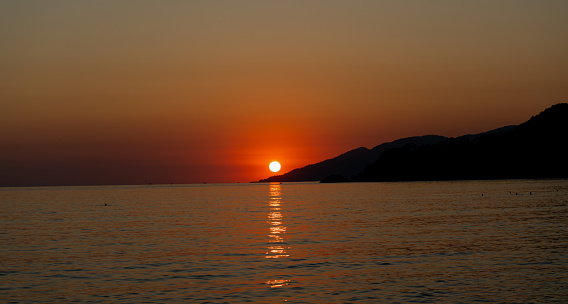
277 249
277 283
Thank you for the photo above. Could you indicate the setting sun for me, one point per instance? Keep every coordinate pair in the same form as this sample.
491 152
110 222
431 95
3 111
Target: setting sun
274 166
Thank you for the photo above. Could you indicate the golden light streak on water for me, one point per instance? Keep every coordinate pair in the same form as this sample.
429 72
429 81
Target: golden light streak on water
276 228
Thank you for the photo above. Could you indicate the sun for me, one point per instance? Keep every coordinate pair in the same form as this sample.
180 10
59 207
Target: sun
274 166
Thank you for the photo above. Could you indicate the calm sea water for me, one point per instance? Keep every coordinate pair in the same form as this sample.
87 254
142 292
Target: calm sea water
419 242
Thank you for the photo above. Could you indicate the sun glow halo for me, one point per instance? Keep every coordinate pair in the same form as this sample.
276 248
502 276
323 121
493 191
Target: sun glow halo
274 166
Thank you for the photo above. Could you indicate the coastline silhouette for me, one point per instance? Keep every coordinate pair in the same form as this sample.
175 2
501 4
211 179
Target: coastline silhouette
349 163
533 149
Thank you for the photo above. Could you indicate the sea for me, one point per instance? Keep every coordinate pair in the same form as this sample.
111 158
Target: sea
407 242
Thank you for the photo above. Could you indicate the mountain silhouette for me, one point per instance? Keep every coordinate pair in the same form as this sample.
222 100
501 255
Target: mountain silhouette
349 163
534 149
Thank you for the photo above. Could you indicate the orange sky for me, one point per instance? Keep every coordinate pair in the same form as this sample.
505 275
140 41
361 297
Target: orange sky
130 92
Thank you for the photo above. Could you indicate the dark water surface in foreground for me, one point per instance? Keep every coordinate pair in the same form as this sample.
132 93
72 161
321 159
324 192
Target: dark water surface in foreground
420 242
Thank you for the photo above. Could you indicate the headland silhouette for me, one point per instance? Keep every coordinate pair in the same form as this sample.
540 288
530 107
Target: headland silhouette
534 149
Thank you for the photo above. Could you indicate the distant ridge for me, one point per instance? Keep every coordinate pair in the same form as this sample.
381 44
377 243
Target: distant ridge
349 163
534 149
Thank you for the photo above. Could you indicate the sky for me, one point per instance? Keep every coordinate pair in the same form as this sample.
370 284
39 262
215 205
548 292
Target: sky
137 92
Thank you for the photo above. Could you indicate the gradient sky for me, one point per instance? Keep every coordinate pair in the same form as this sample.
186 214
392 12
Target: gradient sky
132 92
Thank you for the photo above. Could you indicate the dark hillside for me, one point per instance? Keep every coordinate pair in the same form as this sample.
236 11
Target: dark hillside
534 149
350 163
